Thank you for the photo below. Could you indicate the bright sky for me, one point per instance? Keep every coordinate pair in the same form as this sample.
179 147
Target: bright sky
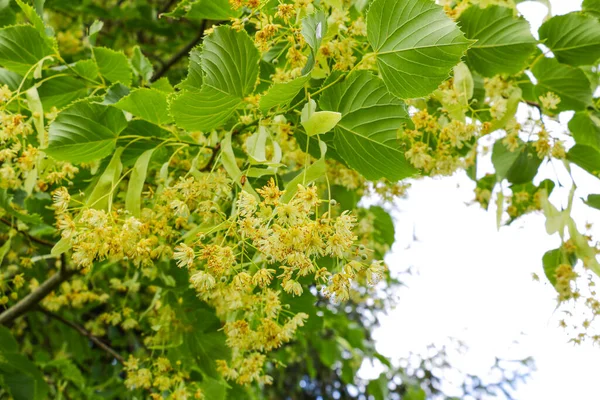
474 283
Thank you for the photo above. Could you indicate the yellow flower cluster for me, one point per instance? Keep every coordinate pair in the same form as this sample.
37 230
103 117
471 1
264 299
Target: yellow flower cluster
438 146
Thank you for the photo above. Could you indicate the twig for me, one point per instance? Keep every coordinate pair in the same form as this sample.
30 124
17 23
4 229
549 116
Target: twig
179 55
84 332
210 162
166 7
30 301
32 238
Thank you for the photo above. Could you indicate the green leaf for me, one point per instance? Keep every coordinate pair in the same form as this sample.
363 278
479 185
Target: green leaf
585 129
552 259
230 65
6 205
113 65
586 157
315 171
38 23
591 7
7 15
204 110
87 69
61 91
10 79
212 9
22 47
204 9
141 65
136 183
503 41
163 85
569 83
84 132
148 104
214 389
230 61
103 193
115 93
378 388
280 94
383 226
593 200
194 79
416 45
8 344
366 137
22 378
314 29
525 167
573 38
503 159
3 251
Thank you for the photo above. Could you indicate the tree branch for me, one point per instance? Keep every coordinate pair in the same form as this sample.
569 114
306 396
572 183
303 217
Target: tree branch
32 238
30 301
84 332
180 54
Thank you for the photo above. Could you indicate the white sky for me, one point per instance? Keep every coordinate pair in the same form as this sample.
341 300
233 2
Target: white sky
474 283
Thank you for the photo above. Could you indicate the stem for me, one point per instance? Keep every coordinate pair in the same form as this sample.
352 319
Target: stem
30 237
86 333
30 301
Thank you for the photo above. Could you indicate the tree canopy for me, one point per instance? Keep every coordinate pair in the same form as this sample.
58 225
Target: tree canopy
181 184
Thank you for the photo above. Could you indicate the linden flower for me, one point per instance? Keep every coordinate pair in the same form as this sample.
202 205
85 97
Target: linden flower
292 286
184 255
270 193
61 198
550 101
202 281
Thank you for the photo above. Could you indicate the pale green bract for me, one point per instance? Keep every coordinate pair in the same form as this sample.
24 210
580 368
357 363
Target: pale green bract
416 45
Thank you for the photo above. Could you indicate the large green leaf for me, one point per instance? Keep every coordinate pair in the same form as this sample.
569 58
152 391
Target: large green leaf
569 83
366 137
21 47
193 81
7 15
113 65
416 45
61 91
230 61
141 65
525 167
148 104
503 159
204 9
203 110
85 132
504 42
573 38
585 129
586 157
591 7
230 65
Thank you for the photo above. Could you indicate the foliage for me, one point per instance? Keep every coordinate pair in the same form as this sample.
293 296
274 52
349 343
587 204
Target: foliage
193 229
